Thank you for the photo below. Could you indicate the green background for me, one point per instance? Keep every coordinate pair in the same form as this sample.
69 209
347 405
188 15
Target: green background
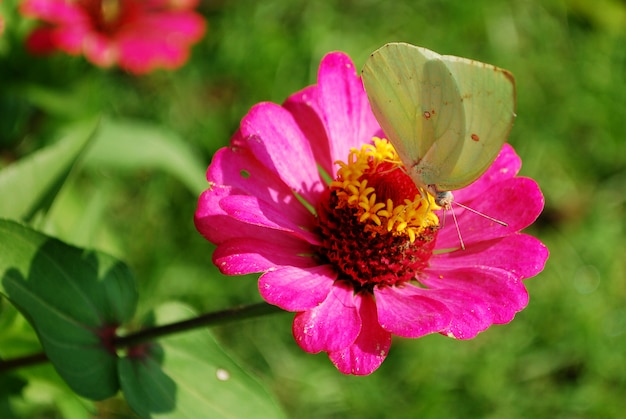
563 356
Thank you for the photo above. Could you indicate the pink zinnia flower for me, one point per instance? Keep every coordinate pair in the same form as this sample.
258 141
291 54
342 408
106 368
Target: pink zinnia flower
362 257
1 21
137 35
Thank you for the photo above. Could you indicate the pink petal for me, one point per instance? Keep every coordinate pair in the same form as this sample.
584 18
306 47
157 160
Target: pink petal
520 254
41 41
141 57
408 312
505 166
213 222
370 348
348 117
217 226
53 11
297 289
158 40
469 315
502 291
306 111
332 325
517 201
240 256
182 27
69 40
238 168
251 210
273 136
98 49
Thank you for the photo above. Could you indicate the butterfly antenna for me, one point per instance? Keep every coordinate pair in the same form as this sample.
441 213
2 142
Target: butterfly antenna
502 223
458 230
390 169
443 217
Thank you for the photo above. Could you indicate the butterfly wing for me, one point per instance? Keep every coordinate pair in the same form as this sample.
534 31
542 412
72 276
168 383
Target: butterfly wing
446 116
418 105
488 95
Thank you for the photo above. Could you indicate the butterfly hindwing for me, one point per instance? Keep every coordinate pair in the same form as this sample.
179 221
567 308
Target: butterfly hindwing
488 95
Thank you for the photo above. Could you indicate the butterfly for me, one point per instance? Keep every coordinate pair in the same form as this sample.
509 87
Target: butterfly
447 117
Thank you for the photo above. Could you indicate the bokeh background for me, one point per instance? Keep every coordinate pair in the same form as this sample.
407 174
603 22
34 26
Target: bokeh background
562 357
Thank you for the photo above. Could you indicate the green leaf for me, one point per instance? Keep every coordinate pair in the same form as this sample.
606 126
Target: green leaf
10 385
69 100
208 382
135 145
31 183
17 336
74 298
146 387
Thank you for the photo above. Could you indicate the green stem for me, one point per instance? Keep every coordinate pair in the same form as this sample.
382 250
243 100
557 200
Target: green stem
204 320
23 361
150 334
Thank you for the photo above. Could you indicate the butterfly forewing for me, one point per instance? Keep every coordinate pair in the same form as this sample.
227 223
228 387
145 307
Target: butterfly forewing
443 119
401 97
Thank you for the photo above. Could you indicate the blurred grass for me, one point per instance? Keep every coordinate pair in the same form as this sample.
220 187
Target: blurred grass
563 356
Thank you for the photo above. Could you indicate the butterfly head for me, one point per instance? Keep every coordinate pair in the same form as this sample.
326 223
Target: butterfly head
442 198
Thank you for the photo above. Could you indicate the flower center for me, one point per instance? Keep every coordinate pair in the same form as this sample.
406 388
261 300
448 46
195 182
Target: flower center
109 16
377 227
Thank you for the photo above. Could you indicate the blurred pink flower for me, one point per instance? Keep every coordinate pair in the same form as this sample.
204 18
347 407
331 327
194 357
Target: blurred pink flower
138 35
1 21
362 258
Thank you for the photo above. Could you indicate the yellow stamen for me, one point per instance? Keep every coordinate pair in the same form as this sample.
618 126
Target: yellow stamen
110 10
353 190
